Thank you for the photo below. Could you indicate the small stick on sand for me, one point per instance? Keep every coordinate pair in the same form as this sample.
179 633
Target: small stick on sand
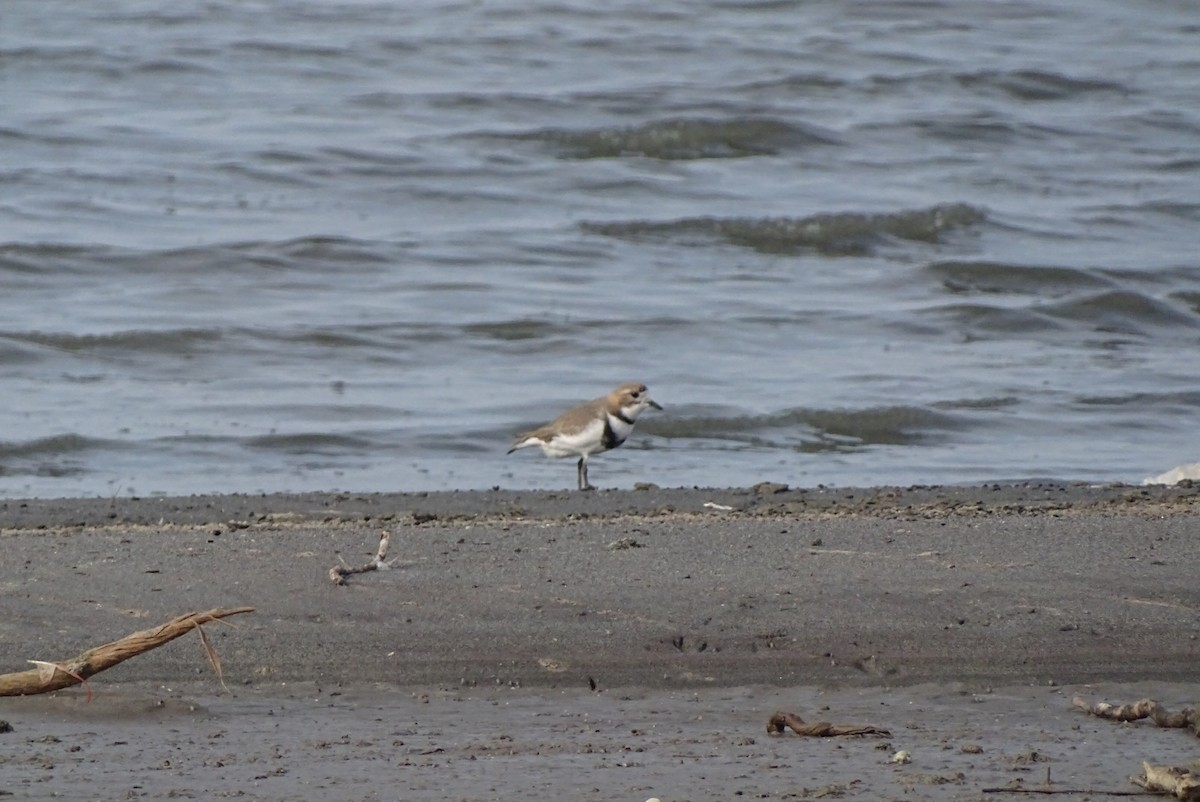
1017 787
1179 783
1050 791
1187 718
53 676
338 573
782 721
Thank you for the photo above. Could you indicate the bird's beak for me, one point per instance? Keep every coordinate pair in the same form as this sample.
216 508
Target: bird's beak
655 404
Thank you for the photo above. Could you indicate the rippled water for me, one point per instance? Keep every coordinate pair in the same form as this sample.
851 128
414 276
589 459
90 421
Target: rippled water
268 246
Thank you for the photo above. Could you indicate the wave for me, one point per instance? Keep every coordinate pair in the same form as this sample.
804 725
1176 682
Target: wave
1122 312
55 445
315 254
1039 84
684 139
1001 277
165 341
269 49
52 259
524 329
1192 299
310 254
54 456
1115 311
806 429
310 443
985 127
989 318
1180 400
835 233
994 402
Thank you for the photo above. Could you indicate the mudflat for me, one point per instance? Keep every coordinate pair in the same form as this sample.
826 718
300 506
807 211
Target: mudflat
605 645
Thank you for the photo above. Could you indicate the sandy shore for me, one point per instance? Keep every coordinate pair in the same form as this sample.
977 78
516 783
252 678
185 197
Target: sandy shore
609 645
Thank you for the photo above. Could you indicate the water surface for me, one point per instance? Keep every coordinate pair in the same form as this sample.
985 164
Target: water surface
296 246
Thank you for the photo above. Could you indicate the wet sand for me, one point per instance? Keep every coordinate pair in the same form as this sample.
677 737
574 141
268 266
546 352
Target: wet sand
609 645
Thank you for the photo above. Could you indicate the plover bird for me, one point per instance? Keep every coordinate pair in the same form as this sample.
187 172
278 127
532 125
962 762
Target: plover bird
599 425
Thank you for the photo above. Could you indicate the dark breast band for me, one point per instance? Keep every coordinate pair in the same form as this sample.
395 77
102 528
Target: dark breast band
609 439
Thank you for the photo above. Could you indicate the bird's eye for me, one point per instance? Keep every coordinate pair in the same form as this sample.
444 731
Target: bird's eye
636 393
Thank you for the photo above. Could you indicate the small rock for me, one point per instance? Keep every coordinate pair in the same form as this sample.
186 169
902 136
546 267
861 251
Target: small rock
769 488
624 543
902 757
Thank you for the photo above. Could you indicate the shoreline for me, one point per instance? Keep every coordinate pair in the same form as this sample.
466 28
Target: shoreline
765 499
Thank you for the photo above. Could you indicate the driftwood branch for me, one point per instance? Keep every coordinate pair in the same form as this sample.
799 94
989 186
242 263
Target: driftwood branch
1187 718
1179 783
53 676
782 721
338 573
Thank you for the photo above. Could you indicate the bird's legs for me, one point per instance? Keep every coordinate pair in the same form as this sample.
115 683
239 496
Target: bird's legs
582 471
